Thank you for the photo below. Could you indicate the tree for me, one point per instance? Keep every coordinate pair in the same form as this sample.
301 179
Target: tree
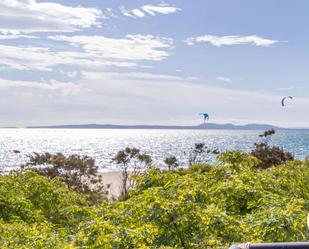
78 172
270 156
132 163
171 162
196 154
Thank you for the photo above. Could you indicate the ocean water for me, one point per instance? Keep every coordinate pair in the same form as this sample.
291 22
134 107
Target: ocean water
103 144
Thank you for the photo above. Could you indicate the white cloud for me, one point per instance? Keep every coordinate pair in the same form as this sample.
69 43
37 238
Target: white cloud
14 37
25 101
225 79
110 13
161 9
86 52
27 16
132 47
125 12
219 41
150 10
44 59
138 13
132 76
72 74
53 85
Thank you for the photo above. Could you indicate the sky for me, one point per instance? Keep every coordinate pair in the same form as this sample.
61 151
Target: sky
153 62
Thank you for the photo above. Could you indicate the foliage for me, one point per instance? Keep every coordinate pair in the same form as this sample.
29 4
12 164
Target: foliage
79 173
36 236
30 197
132 163
268 133
270 156
171 162
199 153
196 168
232 202
36 212
204 206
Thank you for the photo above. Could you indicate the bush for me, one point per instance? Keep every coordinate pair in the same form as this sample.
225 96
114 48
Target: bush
35 236
204 206
171 162
79 173
31 198
270 156
231 203
36 212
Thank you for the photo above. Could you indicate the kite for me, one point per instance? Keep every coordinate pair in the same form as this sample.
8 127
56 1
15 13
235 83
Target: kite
284 99
205 115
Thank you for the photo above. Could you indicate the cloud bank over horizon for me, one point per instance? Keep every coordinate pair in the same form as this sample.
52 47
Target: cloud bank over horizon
139 98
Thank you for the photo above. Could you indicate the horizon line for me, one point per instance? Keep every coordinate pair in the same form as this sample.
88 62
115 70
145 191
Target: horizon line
158 126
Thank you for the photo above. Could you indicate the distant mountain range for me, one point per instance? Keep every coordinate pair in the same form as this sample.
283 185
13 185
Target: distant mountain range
207 126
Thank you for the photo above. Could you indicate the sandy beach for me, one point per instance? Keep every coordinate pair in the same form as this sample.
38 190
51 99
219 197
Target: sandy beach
112 179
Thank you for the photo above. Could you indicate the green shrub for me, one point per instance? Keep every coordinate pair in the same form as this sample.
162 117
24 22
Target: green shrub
37 236
30 198
204 206
199 168
171 162
270 156
79 173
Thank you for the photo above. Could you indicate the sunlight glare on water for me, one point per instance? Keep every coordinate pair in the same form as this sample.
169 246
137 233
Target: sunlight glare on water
103 144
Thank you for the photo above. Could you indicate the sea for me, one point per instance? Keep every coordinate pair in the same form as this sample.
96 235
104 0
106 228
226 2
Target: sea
103 144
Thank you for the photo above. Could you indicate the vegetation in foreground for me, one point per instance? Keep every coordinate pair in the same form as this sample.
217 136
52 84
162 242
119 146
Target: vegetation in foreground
238 199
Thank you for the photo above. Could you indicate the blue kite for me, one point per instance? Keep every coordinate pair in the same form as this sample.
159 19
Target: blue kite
205 115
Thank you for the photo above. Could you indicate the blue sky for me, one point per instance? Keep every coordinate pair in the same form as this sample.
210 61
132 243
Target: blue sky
153 62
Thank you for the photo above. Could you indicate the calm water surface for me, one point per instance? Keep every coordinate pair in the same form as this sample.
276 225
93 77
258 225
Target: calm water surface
103 144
